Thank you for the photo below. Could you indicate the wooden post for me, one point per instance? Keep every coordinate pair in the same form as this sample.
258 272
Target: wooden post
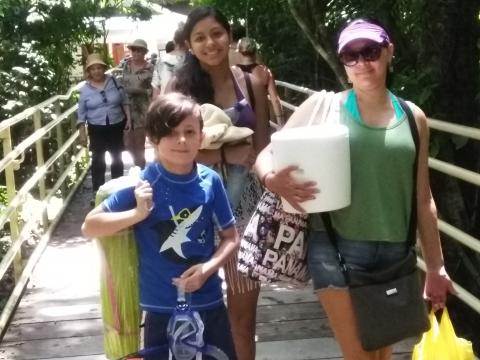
59 136
6 138
42 190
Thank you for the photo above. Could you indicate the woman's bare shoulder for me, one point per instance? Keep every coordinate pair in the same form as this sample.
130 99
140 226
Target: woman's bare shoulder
262 73
240 75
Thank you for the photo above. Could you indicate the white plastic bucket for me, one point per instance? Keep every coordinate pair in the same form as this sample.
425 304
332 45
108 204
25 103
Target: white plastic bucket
322 153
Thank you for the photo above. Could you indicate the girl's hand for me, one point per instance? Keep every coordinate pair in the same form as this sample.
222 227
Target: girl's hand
282 183
240 154
192 279
143 195
437 287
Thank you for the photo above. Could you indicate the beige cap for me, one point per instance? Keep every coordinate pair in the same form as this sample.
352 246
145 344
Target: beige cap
93 59
138 43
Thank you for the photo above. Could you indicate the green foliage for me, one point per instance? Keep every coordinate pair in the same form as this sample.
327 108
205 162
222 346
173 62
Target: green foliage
282 46
39 40
28 79
3 199
3 205
303 51
3 195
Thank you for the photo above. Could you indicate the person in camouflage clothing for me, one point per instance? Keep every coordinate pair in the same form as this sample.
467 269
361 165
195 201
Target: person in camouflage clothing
137 78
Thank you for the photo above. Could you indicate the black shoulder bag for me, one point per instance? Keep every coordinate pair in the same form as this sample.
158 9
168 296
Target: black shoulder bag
388 303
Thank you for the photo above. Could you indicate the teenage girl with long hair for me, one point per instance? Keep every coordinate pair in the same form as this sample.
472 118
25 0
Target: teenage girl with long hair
208 77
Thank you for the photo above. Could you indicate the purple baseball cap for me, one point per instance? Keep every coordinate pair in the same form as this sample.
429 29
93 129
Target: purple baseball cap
361 29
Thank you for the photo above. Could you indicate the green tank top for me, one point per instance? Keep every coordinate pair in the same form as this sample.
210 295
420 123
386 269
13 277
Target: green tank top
382 177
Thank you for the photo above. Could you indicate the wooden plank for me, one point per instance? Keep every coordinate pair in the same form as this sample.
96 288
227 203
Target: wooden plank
316 349
52 348
276 313
267 315
299 349
47 298
53 330
293 330
58 313
286 296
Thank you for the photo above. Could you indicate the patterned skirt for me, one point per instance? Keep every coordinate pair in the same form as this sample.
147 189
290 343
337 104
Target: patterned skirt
248 202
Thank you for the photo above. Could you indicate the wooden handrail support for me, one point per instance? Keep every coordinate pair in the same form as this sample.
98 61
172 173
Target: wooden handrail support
16 295
16 197
22 192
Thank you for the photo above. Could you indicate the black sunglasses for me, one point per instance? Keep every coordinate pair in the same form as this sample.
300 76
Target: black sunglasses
370 52
104 96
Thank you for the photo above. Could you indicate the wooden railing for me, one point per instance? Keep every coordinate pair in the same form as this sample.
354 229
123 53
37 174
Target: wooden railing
41 172
51 144
438 165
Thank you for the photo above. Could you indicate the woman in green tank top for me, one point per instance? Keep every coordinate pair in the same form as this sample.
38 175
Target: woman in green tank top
373 230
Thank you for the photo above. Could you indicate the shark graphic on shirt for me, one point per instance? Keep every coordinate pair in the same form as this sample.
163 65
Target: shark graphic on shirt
179 234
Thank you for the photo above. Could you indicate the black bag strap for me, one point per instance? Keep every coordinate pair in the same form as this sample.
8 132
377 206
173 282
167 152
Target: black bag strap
251 95
115 83
412 227
327 221
118 89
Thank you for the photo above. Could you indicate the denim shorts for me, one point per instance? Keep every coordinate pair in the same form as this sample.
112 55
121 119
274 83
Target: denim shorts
237 176
217 332
359 255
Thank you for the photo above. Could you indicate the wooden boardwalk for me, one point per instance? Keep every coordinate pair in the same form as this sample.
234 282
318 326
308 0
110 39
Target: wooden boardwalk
59 315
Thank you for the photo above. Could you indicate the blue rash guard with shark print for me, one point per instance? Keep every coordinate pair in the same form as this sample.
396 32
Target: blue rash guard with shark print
178 233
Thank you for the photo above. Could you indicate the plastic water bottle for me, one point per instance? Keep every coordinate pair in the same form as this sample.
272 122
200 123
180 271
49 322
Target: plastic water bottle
185 330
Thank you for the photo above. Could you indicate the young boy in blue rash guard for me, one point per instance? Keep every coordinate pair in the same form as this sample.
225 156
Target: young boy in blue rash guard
174 210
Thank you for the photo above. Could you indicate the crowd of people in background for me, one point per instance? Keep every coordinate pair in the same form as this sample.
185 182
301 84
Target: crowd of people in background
211 62
143 76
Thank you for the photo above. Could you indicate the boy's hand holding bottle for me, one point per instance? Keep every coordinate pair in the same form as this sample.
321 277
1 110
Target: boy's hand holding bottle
143 195
193 278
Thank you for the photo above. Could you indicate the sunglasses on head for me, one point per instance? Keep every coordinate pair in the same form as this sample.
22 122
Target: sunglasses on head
370 52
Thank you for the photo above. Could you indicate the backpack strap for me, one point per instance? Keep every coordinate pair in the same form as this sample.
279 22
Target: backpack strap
115 82
248 82
118 89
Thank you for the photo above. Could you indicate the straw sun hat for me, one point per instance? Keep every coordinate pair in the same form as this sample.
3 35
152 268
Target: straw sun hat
93 59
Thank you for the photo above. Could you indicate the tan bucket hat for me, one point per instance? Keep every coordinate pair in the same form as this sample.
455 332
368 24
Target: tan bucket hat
93 59
138 43
218 128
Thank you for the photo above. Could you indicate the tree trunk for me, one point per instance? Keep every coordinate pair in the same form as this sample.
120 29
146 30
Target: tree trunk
327 54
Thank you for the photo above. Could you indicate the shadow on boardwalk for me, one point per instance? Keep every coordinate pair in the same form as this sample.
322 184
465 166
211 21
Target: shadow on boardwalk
59 315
